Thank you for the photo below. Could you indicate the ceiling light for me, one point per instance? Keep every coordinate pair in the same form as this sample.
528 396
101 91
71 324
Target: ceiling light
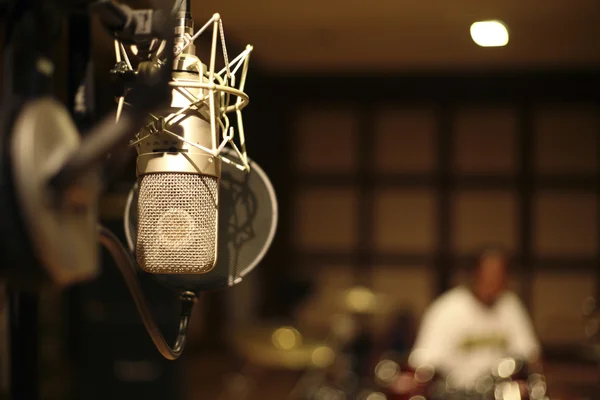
489 33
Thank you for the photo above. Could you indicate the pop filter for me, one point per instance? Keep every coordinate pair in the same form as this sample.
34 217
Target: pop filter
247 218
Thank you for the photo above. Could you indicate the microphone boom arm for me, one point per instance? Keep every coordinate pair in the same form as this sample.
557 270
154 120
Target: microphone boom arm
152 92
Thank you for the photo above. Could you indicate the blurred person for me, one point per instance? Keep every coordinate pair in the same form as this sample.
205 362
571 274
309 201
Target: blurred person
470 328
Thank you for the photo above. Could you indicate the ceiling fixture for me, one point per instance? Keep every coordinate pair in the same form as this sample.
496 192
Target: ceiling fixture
489 33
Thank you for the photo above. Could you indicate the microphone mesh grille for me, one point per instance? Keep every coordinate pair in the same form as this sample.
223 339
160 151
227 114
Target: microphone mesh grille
177 223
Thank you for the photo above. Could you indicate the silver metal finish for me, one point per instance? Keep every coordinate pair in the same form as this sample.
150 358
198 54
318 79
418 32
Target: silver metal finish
190 163
203 91
182 125
181 150
179 185
177 223
248 214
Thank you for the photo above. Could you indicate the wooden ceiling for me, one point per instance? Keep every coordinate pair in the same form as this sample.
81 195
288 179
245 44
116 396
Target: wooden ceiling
318 35
331 36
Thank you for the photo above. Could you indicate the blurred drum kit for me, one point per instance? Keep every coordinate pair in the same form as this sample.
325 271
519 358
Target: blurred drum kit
343 365
509 379
328 363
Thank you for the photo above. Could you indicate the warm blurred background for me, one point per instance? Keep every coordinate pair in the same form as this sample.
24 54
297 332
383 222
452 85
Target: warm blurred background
397 147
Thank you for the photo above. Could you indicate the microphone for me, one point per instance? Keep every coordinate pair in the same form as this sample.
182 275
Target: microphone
202 215
179 182
247 221
173 210
178 224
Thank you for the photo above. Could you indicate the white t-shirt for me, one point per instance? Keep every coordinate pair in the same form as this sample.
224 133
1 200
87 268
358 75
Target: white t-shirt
462 336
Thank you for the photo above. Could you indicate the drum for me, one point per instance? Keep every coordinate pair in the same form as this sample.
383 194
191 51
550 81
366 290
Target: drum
511 379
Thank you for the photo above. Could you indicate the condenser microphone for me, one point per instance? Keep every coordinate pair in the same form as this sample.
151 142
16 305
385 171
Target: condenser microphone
181 152
202 214
179 182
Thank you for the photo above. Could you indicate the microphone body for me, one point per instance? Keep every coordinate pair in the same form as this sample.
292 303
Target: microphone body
179 182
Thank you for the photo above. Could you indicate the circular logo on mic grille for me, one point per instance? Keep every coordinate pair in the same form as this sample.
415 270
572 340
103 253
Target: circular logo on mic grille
175 227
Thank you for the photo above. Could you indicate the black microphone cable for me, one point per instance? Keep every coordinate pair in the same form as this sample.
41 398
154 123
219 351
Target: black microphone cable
127 267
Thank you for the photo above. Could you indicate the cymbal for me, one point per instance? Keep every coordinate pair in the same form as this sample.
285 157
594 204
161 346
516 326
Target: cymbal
362 300
278 346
